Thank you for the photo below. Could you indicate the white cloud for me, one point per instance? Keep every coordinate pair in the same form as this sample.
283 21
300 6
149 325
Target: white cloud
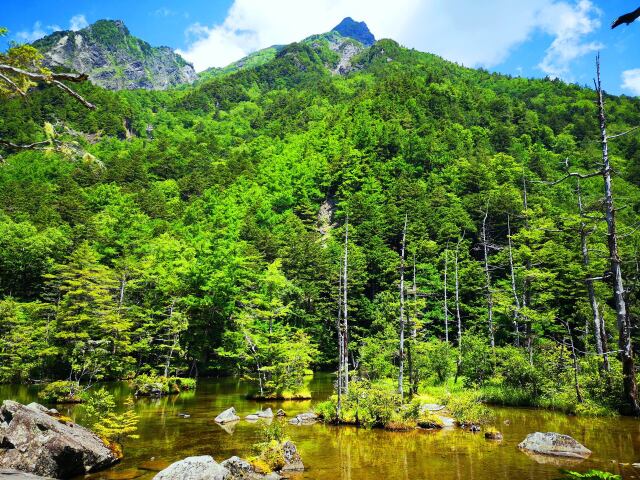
31 35
78 22
569 25
164 12
631 81
467 31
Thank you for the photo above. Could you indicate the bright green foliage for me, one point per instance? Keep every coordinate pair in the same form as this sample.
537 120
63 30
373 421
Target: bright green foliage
212 244
467 409
149 385
590 475
106 421
62 391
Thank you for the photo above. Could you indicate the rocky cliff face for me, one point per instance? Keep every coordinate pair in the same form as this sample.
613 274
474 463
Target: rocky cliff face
115 59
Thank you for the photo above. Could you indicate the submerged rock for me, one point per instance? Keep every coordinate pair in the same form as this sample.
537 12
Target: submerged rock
493 435
304 419
194 468
229 415
35 441
154 465
555 444
252 418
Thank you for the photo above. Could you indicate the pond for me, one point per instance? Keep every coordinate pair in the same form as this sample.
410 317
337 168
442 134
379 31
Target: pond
350 453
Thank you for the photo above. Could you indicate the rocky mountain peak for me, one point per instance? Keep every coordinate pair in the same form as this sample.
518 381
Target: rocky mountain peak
115 59
359 31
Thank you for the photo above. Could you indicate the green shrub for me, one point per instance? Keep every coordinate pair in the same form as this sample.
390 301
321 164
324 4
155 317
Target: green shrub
467 409
63 391
440 359
151 385
477 356
589 475
327 410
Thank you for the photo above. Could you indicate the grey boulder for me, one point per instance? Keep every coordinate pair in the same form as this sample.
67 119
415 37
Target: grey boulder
194 468
268 413
292 460
304 419
35 441
229 415
555 444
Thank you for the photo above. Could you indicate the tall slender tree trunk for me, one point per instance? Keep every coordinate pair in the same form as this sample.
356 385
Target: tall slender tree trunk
401 369
576 378
516 312
345 323
340 345
446 296
458 317
630 386
414 333
525 282
598 325
487 276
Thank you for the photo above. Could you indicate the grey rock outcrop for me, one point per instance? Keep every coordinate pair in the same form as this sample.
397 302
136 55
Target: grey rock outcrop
292 460
228 416
114 59
32 440
194 468
304 419
555 444
268 413
240 469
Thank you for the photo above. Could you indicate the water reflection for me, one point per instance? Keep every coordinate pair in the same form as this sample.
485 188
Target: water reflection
348 453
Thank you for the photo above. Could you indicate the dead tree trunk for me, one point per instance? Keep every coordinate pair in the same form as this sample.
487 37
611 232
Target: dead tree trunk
446 299
487 276
401 364
413 380
598 324
458 317
345 322
516 312
624 328
340 387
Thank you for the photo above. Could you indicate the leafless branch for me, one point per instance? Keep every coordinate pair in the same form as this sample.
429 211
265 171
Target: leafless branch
12 84
623 133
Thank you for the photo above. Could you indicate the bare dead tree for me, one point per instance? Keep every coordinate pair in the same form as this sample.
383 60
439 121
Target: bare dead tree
402 322
598 323
446 296
487 275
516 299
345 321
630 387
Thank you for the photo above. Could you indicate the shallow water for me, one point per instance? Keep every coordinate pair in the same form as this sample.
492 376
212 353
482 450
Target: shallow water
349 453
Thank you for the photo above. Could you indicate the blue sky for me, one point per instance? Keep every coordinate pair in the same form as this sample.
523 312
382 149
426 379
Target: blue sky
531 38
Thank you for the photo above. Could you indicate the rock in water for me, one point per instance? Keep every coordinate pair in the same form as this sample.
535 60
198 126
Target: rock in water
268 413
229 415
556 444
194 468
292 460
34 441
304 419
281 413
240 469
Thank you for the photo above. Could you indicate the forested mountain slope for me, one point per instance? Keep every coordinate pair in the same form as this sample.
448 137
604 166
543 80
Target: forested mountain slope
218 216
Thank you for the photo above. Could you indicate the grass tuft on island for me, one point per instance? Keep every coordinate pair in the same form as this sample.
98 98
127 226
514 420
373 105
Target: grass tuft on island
156 385
303 394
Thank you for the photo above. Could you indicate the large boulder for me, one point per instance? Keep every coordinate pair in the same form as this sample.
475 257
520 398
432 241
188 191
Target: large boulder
268 413
229 415
33 440
292 460
555 444
304 419
194 468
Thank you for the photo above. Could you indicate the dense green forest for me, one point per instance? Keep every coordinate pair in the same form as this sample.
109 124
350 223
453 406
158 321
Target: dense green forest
202 230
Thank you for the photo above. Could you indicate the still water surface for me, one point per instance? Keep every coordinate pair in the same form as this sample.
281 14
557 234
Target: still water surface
348 453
